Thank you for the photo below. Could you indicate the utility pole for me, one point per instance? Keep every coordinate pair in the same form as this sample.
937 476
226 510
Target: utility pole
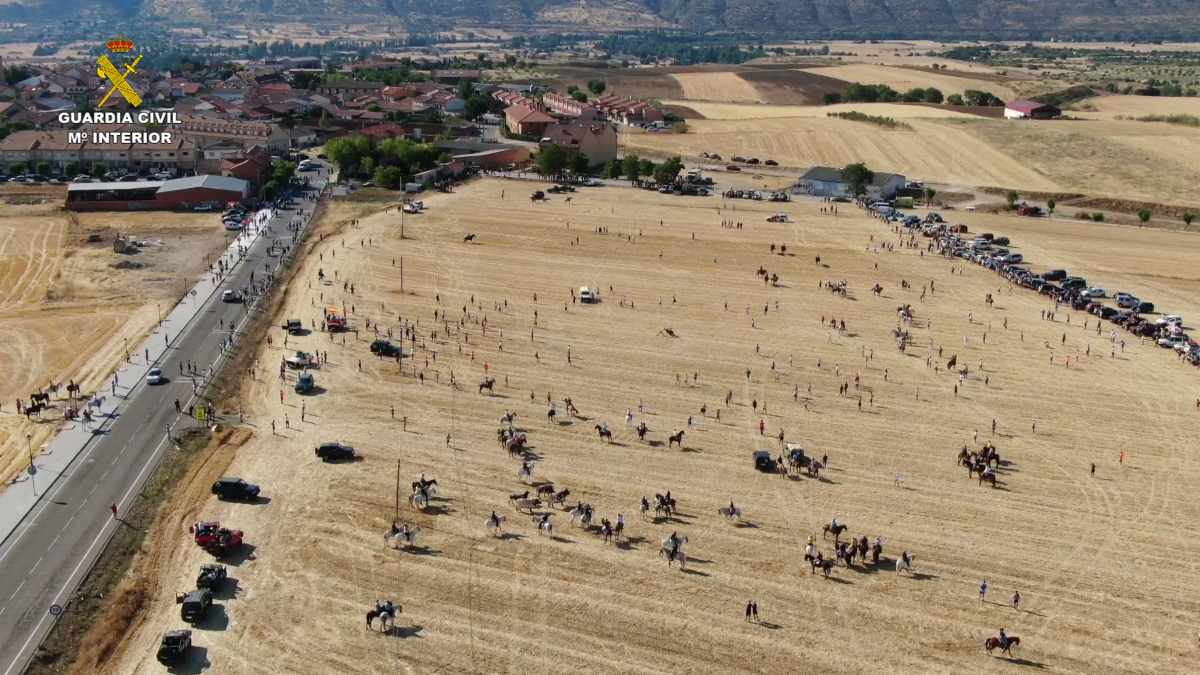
397 518
401 269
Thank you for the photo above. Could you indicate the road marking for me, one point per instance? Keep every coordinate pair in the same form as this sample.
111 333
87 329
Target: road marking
37 564
18 590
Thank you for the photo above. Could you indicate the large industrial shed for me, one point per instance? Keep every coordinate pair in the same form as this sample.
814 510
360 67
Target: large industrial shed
178 193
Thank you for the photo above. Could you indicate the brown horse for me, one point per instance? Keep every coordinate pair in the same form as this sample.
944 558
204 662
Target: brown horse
835 531
1004 647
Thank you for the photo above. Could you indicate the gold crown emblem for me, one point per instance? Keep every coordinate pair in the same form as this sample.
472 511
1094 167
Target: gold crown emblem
120 45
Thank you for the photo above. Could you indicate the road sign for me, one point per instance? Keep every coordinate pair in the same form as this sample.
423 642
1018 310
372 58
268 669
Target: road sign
56 610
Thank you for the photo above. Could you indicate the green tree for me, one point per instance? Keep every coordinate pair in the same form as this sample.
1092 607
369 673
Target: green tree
579 163
551 160
933 95
97 170
646 167
465 90
71 170
349 152
476 106
1144 215
1098 217
270 189
612 169
1011 197
368 166
631 167
680 127
832 98
390 177
1187 220
930 193
17 168
579 96
43 168
914 95
668 171
597 87
1050 205
955 99
858 177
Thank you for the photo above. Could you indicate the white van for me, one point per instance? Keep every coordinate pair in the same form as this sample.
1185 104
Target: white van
586 295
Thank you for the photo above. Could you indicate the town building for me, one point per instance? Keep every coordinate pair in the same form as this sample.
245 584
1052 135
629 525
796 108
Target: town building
596 140
526 121
1030 110
824 181
156 195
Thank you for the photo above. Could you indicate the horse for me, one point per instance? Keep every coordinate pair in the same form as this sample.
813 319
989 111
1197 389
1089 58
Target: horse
905 562
581 515
560 497
508 417
672 550
488 383
641 431
40 397
419 500
877 289
518 495
645 507
676 437
495 524
1003 645
604 433
664 505
988 475
525 472
825 564
551 414
543 525
730 512
876 551
404 534
386 613
836 531
470 237
814 469
527 504
429 487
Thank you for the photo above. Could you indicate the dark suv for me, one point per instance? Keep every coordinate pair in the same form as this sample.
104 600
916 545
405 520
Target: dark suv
384 348
194 606
235 488
174 646
335 452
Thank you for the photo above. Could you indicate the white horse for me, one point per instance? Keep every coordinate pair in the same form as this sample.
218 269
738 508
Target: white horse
544 525
525 473
495 524
905 562
403 535
674 554
419 501
581 515
730 512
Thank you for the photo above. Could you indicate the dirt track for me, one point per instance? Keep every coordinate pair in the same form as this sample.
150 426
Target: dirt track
1088 554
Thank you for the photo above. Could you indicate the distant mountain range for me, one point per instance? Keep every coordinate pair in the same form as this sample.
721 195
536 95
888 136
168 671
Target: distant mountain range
812 17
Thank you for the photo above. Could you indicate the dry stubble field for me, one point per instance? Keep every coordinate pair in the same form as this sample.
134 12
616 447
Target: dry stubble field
65 312
1103 562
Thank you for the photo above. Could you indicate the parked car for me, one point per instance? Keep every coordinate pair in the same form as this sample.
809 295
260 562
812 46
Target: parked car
336 452
230 296
1172 340
1126 300
294 326
155 376
763 461
587 295
1145 307
1170 320
1055 275
173 646
1074 282
385 348
1014 258
1001 241
306 383
1094 292
195 605
211 576
235 488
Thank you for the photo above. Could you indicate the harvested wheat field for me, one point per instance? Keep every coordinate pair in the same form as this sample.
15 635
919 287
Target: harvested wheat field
1087 553
743 111
66 312
1153 162
935 150
903 79
726 87
1107 107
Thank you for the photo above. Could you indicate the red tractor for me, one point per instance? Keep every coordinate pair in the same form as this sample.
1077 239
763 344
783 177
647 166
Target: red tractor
216 540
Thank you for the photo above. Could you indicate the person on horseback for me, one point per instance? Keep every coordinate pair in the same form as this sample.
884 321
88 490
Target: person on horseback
1003 639
833 525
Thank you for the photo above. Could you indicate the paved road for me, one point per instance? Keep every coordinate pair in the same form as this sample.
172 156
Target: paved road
45 559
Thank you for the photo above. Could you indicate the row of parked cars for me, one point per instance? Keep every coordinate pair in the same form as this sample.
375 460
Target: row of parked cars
991 251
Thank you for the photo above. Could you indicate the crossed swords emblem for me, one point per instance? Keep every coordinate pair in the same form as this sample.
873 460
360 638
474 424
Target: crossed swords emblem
108 71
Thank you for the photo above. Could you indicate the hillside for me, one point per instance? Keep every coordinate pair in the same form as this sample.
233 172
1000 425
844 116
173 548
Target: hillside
814 17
